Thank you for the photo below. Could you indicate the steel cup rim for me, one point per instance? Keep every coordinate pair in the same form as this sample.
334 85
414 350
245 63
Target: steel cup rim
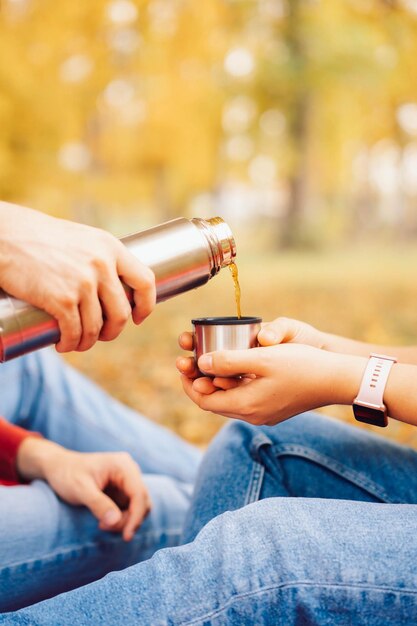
226 321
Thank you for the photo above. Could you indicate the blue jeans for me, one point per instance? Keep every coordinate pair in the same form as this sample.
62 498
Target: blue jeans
332 542
47 546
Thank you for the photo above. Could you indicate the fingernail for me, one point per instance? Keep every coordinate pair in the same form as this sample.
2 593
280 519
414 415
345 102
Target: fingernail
111 517
268 335
182 365
205 363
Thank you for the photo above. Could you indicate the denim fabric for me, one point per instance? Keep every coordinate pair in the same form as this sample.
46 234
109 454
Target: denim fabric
40 392
308 456
332 542
47 546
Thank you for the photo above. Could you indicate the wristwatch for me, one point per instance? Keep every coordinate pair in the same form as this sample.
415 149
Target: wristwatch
368 406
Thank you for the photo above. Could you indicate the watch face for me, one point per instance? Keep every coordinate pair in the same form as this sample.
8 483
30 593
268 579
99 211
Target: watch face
366 414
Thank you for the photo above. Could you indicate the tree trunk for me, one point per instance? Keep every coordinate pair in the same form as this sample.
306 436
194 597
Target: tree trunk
298 181
299 113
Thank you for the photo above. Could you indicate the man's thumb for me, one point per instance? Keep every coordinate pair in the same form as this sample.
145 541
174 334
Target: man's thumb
101 506
230 362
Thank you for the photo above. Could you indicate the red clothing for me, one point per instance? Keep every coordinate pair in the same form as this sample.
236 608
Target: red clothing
11 437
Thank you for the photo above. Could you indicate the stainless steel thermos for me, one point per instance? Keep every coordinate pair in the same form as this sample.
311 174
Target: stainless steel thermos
183 254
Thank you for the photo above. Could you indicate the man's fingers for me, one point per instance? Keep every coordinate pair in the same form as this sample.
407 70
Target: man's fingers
118 527
139 507
139 500
116 308
187 366
141 279
101 506
127 478
232 362
70 328
91 321
186 341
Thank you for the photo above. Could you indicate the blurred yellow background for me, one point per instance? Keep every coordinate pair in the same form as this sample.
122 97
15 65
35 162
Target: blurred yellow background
295 120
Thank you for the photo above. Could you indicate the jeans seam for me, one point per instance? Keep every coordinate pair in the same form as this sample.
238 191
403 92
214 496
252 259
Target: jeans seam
295 584
335 466
255 483
75 549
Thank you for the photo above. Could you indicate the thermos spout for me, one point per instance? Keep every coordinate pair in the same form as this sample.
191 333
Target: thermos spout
220 237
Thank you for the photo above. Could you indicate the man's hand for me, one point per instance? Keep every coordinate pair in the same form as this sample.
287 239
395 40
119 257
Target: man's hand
74 273
269 385
109 483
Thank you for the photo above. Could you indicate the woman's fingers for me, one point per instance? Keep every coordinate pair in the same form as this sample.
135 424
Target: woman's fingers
280 330
186 341
228 383
186 365
233 363
204 385
210 385
236 403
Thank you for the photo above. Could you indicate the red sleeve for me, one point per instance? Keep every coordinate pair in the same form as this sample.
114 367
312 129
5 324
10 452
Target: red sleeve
11 437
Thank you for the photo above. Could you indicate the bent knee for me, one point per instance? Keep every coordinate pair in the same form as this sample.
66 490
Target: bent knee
235 435
305 426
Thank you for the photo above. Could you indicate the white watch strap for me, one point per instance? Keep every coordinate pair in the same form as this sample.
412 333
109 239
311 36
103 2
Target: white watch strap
371 392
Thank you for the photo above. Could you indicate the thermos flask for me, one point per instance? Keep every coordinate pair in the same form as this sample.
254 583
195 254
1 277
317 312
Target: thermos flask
183 254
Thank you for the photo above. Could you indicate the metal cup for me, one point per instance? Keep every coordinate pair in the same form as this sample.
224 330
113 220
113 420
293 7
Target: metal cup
225 333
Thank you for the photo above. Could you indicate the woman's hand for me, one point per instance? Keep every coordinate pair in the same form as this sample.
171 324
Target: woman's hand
286 330
275 383
109 483
281 330
74 273
186 364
